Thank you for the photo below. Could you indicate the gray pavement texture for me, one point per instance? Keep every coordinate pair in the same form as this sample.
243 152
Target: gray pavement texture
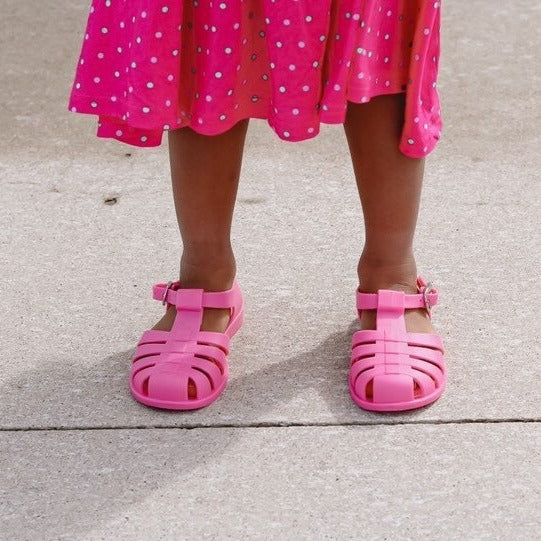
284 453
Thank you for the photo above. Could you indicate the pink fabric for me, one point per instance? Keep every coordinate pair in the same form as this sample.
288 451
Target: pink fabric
147 66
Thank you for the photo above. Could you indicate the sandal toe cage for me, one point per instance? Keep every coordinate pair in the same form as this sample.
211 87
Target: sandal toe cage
185 368
392 369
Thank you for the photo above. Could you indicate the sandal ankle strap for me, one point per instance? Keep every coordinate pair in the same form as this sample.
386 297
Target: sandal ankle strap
168 293
426 298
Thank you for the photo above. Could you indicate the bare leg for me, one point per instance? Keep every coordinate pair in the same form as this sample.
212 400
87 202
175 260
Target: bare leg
389 186
205 172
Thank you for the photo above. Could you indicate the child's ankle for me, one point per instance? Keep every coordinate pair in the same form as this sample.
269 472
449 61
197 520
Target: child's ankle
377 273
211 271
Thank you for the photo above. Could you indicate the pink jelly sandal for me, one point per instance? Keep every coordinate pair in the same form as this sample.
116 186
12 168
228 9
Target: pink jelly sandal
392 369
167 363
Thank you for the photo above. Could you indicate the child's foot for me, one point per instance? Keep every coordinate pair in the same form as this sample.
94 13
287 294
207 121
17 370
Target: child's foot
417 320
215 275
397 278
369 385
214 319
186 368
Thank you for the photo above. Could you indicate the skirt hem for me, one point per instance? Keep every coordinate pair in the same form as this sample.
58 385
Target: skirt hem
111 126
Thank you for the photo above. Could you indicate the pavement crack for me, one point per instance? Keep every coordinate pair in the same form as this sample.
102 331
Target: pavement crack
195 426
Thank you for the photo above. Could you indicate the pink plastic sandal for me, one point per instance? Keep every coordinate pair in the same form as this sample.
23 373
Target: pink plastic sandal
392 369
167 364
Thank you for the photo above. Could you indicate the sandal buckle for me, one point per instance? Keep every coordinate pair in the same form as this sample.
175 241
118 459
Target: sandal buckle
426 290
167 287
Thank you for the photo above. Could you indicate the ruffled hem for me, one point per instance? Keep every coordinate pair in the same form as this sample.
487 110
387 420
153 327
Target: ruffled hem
131 113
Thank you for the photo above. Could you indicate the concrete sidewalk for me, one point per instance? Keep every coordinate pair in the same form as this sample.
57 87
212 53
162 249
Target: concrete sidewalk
284 453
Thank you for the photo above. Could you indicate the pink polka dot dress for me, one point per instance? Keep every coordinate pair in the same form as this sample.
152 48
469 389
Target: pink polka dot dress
155 65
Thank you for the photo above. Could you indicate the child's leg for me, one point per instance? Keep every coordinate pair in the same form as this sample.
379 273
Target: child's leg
389 186
205 172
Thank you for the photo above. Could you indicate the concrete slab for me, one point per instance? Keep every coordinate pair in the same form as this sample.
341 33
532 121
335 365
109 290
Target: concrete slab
470 481
75 293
